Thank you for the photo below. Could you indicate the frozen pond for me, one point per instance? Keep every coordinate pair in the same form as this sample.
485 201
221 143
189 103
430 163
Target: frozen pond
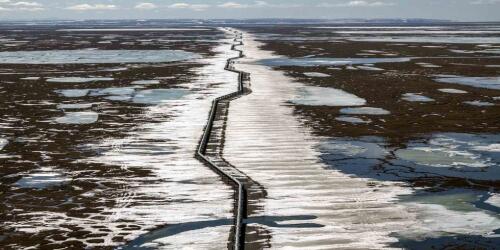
306 62
319 96
479 82
78 118
94 56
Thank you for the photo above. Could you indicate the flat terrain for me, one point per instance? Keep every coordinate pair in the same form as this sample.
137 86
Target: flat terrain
355 136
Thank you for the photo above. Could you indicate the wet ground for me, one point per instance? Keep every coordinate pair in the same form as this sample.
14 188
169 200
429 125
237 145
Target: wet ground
98 131
358 136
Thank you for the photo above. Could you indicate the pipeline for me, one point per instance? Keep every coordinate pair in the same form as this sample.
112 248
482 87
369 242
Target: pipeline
232 176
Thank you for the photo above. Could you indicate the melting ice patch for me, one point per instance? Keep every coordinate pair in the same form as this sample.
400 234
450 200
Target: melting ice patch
132 29
31 78
114 91
316 74
480 103
78 79
495 147
369 68
73 92
364 111
319 96
306 62
465 211
352 119
428 65
453 91
467 156
41 179
3 143
75 106
428 39
440 157
157 96
94 56
78 118
479 82
146 82
452 154
412 97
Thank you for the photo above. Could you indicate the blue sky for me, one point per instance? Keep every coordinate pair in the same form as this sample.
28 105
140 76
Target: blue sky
460 10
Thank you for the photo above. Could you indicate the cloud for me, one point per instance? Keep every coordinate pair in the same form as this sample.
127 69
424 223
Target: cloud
195 7
357 3
485 2
85 6
8 5
256 4
145 6
233 5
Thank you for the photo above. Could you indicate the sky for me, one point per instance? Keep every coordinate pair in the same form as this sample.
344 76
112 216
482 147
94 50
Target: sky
458 10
